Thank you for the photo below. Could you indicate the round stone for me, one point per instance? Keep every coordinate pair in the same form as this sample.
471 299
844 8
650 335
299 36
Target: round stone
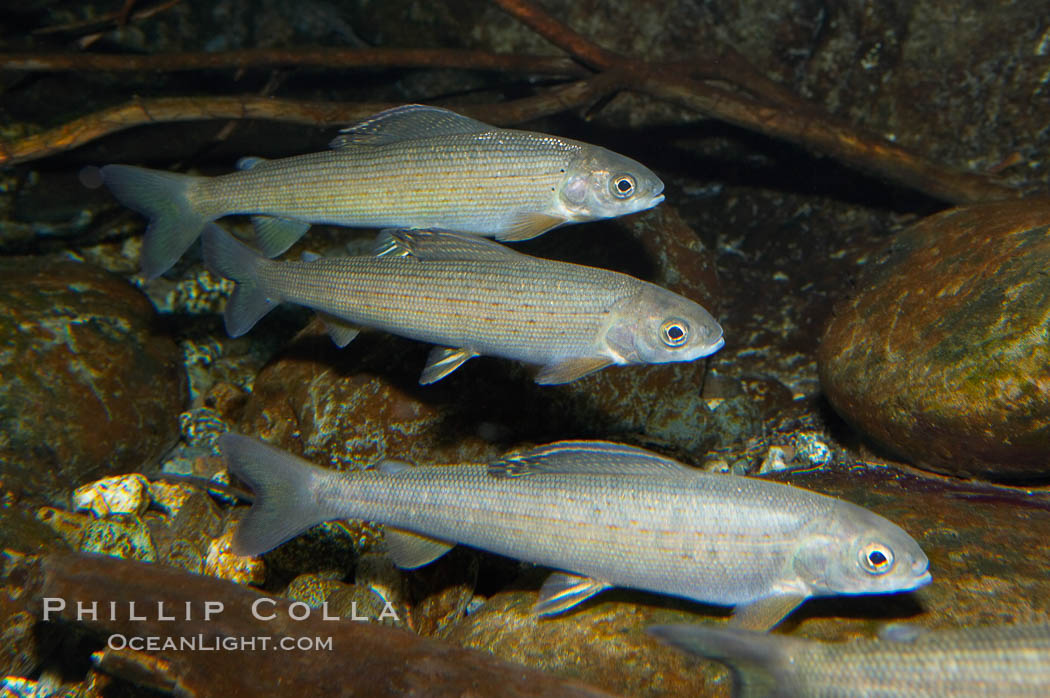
943 354
89 386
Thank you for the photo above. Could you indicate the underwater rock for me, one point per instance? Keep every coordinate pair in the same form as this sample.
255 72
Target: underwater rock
943 355
358 659
119 494
603 643
23 646
363 403
90 386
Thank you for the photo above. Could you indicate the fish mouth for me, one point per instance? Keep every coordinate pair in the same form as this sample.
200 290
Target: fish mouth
922 581
716 346
656 200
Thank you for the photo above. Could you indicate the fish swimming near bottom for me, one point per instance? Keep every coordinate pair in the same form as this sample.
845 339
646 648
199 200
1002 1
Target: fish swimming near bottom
907 662
473 296
604 514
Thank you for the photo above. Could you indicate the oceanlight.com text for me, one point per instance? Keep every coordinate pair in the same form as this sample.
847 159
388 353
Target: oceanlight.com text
212 643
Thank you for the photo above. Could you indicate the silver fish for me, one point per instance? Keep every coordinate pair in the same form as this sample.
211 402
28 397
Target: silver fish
409 167
606 514
907 662
473 296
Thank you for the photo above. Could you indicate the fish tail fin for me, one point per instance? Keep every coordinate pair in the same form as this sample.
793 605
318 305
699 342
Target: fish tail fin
759 662
285 502
234 260
165 198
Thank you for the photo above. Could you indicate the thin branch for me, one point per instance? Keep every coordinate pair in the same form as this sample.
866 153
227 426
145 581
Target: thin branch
774 111
316 58
118 18
171 109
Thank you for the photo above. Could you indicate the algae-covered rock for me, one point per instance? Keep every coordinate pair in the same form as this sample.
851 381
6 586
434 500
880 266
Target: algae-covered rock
943 354
91 386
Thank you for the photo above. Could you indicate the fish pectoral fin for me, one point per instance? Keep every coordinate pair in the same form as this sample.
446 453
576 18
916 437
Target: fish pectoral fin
409 550
529 224
406 123
562 591
441 244
443 361
275 235
341 331
570 369
765 614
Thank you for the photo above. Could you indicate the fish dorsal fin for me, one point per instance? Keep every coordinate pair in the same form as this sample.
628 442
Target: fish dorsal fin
901 632
406 123
409 550
390 466
440 244
761 664
586 457
562 591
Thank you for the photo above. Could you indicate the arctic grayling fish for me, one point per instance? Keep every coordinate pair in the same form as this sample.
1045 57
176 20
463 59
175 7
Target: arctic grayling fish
606 514
907 662
473 296
409 167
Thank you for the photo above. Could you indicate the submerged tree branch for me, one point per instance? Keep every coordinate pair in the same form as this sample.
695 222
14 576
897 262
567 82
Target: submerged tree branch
328 58
724 86
138 112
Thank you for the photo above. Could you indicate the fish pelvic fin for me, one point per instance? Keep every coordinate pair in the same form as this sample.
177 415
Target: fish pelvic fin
760 663
765 614
285 502
562 591
443 361
529 224
165 198
410 550
234 260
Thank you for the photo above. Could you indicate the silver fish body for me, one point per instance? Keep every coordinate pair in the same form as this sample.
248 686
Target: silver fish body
606 514
906 663
409 167
474 296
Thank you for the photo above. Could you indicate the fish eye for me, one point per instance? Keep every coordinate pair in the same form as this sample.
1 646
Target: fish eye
674 333
622 186
876 558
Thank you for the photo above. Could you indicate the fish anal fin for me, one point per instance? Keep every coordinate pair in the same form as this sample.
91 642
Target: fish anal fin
562 591
529 224
765 614
570 369
405 123
341 331
275 235
409 550
443 361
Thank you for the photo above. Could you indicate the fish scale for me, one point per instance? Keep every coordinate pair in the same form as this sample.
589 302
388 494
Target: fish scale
423 179
906 662
627 518
501 301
